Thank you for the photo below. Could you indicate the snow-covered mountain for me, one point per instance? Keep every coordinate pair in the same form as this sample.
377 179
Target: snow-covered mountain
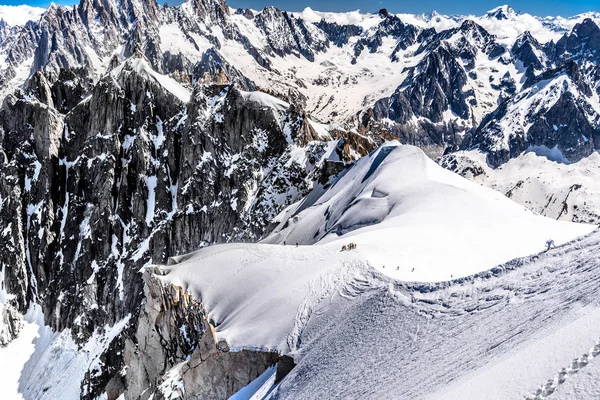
539 180
401 206
325 307
363 71
133 133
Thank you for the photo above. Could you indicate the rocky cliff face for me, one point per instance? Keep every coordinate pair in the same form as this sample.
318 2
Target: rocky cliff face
139 170
10 324
174 353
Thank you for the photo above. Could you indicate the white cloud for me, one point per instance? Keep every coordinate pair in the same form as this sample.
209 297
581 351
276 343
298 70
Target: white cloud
19 15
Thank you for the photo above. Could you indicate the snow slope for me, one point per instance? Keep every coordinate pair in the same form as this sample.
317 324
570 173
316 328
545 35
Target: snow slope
405 213
540 181
45 365
499 335
509 332
412 220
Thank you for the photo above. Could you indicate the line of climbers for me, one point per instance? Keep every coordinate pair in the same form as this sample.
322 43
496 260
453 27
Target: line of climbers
350 246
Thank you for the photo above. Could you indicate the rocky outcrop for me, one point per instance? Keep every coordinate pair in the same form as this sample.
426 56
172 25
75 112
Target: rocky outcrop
10 324
213 69
338 34
531 53
582 42
405 35
289 35
174 350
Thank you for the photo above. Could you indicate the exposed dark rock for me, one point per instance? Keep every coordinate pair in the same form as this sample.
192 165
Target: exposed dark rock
289 35
212 69
338 34
583 42
173 330
569 123
10 324
531 53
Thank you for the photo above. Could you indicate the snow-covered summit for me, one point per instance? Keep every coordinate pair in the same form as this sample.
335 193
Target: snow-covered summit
504 12
409 213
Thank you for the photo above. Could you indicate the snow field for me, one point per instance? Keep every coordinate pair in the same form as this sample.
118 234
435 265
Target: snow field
411 219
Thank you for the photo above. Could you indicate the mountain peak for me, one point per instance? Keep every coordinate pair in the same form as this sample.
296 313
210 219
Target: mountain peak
384 13
504 12
586 27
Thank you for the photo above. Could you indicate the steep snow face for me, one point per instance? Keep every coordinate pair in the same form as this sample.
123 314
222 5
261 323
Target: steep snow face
411 220
20 15
539 180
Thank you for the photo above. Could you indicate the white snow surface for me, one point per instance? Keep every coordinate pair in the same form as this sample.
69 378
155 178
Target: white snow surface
265 100
20 15
411 219
542 182
504 334
405 211
45 365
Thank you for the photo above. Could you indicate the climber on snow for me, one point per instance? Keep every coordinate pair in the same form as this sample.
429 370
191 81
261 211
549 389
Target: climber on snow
549 243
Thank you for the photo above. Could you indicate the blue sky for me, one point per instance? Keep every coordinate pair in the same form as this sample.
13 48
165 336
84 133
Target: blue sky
536 7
